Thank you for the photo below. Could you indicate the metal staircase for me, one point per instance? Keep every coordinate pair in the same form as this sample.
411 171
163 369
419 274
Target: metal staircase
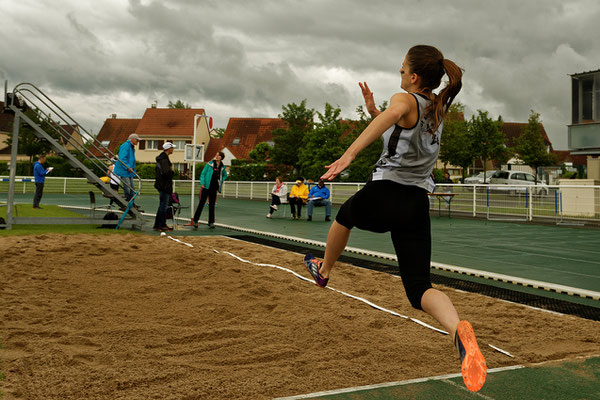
57 131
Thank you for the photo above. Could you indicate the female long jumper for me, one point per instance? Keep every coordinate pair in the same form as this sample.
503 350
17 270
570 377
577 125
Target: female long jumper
395 197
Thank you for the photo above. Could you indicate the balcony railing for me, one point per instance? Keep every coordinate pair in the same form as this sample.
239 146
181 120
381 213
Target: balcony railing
584 136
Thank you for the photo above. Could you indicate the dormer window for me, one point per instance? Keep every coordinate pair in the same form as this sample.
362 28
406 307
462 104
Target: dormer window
236 141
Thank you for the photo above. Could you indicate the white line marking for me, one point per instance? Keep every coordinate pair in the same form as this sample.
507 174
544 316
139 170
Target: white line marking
461 387
339 291
501 351
392 384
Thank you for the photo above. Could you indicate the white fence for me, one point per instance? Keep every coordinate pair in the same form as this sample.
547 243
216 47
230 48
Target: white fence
564 204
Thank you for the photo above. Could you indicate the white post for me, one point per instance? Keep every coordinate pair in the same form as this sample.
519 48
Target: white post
196 116
65 187
474 200
531 205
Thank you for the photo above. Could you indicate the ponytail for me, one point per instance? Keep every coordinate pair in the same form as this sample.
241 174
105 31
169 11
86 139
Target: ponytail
443 101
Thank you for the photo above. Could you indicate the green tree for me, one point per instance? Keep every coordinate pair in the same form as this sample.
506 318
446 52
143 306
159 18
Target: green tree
260 153
489 142
289 141
456 147
322 145
531 147
178 104
217 133
29 143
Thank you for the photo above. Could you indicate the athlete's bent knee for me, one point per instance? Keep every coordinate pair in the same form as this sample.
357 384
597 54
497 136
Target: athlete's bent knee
415 294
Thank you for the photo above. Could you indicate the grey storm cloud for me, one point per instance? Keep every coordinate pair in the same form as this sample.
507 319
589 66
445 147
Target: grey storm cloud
249 58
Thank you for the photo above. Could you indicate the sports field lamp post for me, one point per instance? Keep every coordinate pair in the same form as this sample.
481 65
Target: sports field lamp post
196 117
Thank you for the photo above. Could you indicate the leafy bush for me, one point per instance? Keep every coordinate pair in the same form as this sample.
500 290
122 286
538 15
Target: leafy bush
23 168
146 171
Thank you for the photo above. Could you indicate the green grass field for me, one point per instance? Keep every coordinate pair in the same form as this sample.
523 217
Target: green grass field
50 211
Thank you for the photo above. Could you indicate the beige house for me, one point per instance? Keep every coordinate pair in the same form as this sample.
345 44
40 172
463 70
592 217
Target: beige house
157 126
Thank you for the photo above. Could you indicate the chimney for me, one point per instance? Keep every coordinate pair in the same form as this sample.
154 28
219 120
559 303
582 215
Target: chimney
114 116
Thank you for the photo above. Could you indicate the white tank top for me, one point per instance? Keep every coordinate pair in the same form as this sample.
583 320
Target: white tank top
409 154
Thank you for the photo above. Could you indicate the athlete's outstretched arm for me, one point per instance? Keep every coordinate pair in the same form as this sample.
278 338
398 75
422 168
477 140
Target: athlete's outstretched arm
400 105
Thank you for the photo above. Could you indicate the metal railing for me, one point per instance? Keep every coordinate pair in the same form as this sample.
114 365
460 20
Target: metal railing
57 119
563 204
51 124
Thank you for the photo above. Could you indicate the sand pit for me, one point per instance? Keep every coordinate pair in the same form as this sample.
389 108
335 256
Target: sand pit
123 317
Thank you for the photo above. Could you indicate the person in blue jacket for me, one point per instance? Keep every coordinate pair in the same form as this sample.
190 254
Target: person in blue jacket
319 197
126 168
39 174
211 180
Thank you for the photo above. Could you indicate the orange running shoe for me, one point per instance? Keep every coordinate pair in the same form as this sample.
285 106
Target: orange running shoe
474 368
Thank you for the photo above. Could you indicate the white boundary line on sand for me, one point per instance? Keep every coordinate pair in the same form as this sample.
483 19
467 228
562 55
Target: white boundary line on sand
391 384
377 307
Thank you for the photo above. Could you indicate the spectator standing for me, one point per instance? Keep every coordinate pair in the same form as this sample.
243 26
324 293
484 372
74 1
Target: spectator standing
125 168
211 181
319 197
279 192
164 184
39 174
298 196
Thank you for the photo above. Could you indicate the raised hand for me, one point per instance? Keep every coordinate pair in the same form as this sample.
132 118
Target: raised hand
368 96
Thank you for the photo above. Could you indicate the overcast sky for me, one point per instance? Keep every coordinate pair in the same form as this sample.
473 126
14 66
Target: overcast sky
248 58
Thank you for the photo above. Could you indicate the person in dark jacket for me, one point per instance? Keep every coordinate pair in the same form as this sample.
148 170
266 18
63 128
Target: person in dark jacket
164 185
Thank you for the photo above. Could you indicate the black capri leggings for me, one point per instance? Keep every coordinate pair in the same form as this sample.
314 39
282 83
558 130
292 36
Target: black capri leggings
387 206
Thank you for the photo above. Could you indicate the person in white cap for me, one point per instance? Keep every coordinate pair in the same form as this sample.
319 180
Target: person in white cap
125 166
164 184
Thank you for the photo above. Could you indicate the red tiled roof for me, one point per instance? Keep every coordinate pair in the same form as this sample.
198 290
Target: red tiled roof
116 130
168 122
513 130
250 131
566 156
214 146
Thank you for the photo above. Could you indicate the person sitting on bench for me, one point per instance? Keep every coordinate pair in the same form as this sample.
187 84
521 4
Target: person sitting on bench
278 194
298 197
319 197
